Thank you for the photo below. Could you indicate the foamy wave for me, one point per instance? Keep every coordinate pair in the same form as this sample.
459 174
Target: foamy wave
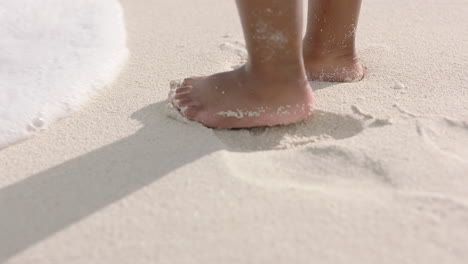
54 55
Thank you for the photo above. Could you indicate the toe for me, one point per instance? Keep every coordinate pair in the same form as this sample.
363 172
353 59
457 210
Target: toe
191 112
184 89
183 102
182 95
173 86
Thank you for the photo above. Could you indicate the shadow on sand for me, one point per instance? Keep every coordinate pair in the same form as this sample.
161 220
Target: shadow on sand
45 203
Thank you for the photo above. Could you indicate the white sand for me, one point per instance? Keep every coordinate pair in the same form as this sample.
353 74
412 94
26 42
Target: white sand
379 175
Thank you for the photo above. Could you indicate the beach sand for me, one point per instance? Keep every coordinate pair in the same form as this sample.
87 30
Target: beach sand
378 175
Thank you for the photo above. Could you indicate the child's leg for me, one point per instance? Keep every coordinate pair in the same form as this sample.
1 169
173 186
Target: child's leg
270 89
329 44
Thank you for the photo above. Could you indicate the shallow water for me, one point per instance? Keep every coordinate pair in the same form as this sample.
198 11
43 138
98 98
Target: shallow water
54 55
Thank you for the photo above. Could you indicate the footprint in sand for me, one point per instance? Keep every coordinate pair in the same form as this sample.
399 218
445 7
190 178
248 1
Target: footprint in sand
447 135
323 167
238 48
317 160
319 127
441 208
355 166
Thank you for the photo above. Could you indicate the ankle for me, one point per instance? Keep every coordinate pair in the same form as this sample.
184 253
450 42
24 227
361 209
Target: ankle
335 57
330 52
287 73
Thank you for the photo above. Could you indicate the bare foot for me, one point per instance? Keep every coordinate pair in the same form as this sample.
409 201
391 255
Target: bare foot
329 48
239 99
333 67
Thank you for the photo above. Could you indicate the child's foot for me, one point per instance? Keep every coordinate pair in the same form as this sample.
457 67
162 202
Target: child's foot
330 42
333 67
237 99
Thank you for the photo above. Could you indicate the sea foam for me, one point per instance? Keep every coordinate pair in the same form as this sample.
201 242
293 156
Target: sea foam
54 55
